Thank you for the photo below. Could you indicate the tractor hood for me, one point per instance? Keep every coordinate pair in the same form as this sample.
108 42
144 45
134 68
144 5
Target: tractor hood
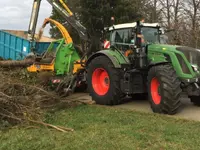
191 54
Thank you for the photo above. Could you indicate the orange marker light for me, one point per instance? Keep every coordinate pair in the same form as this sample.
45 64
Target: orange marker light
142 20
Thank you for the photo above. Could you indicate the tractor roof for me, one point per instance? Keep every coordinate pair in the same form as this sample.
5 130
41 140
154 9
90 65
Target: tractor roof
132 25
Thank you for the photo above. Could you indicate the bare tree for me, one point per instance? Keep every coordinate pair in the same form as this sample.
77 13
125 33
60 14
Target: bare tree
192 11
172 13
181 15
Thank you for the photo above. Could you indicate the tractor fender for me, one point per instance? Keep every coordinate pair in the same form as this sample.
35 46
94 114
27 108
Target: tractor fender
116 57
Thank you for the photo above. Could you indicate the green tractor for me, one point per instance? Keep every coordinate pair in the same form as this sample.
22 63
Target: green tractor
139 62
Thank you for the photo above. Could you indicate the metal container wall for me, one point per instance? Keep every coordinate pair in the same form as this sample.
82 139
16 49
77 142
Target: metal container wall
14 45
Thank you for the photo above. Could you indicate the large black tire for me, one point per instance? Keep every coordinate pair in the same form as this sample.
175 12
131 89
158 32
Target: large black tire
165 98
195 100
113 94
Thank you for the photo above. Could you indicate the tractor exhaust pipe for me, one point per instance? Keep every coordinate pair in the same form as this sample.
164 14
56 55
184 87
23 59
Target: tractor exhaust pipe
138 35
141 50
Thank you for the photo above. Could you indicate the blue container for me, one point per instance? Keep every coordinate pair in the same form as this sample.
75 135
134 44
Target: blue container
15 46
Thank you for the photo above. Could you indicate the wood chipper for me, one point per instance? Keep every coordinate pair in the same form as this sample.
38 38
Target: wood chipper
66 60
62 58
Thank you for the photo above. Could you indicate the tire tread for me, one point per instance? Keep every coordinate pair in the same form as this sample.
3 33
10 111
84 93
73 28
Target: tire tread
171 88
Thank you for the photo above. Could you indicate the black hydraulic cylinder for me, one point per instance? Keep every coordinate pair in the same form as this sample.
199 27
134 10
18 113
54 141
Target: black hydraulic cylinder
82 31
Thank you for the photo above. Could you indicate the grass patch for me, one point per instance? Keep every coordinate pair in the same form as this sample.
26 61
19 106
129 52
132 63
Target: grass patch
98 128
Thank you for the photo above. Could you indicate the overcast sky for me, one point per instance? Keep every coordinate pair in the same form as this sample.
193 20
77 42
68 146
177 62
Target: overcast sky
15 14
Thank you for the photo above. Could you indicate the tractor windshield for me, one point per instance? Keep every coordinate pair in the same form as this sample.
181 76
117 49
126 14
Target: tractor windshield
151 35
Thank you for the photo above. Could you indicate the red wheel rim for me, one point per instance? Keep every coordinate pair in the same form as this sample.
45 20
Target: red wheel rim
100 81
155 84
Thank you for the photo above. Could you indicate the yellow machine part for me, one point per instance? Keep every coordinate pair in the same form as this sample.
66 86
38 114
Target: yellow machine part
38 68
66 8
77 66
61 28
50 67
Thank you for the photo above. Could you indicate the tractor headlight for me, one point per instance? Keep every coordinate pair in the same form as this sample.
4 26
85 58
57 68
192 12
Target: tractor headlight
195 68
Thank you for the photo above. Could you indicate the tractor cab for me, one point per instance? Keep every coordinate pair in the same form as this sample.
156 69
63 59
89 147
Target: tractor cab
123 36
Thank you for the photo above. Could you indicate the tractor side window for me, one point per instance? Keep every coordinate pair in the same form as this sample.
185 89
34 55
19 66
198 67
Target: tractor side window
118 37
123 38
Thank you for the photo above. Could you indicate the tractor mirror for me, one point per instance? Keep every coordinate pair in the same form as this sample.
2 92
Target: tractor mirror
160 32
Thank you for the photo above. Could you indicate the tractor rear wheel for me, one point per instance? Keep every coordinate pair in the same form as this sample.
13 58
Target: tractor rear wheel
104 81
164 90
195 100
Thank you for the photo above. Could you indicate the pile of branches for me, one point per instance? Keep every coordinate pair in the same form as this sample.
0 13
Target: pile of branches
22 103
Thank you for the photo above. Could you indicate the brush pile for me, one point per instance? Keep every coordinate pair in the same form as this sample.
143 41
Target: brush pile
21 99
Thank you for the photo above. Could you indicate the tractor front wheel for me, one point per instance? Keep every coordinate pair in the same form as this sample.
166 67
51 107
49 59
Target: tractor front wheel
164 90
104 81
